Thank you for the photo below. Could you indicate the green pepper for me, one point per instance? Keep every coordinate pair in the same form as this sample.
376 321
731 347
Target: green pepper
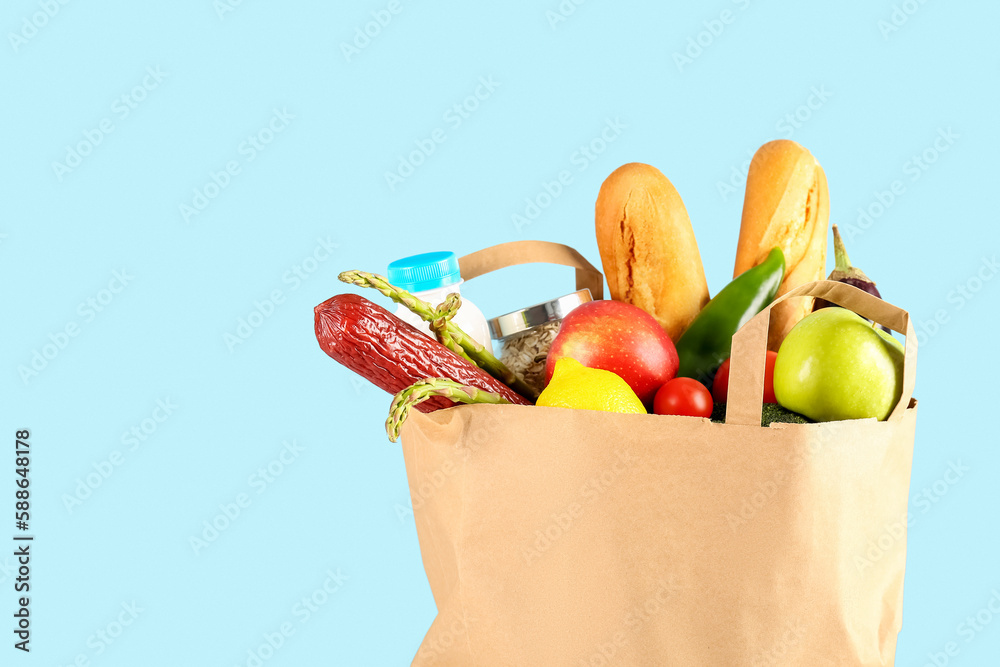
709 340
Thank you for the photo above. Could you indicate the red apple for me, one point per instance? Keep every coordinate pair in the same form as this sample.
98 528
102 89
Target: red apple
621 338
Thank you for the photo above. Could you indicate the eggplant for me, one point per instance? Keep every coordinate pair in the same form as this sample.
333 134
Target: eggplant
845 273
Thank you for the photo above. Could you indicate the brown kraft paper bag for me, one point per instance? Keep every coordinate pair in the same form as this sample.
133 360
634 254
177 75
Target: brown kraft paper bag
570 537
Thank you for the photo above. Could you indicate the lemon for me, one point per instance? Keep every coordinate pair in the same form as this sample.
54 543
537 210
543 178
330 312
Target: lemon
573 385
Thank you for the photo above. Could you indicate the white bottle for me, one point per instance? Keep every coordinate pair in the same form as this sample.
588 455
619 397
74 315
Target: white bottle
431 277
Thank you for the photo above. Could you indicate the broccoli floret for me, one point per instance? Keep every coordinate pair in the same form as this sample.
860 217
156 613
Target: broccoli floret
771 413
775 413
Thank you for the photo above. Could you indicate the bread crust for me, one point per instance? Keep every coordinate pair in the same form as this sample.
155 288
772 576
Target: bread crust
648 248
787 205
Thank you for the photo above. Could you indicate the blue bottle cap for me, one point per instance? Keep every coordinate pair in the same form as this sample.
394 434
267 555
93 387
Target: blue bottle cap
428 271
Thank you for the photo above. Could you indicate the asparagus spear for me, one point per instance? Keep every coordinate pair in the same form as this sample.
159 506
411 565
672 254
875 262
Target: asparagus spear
446 311
421 391
439 325
451 335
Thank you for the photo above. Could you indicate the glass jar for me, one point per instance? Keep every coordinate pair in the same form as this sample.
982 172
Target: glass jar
525 336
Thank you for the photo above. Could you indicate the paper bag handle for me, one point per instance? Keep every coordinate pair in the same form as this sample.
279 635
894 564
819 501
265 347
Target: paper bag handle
746 372
527 252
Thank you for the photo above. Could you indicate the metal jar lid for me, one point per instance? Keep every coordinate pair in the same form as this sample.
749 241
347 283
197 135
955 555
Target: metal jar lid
533 316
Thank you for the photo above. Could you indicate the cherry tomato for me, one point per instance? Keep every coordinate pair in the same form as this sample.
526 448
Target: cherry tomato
720 388
683 396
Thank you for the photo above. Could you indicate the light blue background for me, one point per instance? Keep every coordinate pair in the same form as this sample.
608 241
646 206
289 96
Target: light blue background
341 502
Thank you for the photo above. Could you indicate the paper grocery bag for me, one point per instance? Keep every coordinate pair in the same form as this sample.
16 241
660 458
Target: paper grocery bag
569 537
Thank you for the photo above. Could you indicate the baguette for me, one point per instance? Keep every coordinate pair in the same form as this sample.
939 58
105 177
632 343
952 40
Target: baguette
648 249
787 206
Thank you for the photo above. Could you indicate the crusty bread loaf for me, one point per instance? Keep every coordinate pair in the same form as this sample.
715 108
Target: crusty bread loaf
648 248
787 206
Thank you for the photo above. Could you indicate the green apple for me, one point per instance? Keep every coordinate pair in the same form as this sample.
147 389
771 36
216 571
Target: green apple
834 365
